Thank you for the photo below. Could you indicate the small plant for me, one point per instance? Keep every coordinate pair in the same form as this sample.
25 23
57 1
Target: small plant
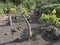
13 10
44 18
1 12
54 11
57 23
50 7
25 11
50 18
53 18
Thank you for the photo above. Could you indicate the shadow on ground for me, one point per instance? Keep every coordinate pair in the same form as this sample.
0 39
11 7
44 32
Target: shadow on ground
51 42
4 25
37 33
54 43
16 41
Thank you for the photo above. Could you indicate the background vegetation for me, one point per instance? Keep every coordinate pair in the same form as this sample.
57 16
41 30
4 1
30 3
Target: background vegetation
27 5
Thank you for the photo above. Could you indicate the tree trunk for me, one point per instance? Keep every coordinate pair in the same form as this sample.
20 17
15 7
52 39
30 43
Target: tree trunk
29 27
10 19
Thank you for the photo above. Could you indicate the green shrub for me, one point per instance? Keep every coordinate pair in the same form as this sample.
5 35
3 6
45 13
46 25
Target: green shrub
50 8
46 11
1 12
57 22
53 18
25 11
44 17
13 10
49 18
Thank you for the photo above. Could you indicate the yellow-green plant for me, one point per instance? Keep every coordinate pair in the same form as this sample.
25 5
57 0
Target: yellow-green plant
44 17
1 12
25 11
53 18
50 18
12 10
57 23
54 11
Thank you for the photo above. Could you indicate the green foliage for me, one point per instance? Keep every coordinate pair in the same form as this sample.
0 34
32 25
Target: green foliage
57 23
44 17
50 7
25 11
1 9
6 5
30 4
46 11
1 12
13 10
50 18
53 18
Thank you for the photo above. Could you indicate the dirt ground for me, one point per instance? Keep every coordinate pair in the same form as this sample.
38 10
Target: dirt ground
6 38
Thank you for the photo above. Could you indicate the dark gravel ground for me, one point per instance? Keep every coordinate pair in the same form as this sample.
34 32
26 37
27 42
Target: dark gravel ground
6 38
